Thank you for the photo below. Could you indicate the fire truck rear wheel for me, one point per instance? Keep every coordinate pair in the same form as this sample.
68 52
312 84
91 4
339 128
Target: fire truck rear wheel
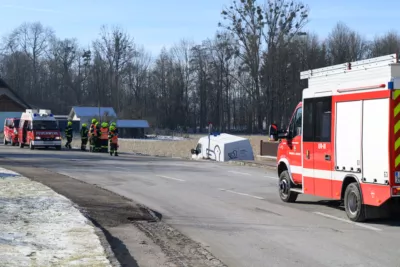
353 203
284 188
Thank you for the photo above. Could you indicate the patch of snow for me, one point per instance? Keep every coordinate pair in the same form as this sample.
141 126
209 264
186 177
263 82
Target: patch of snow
157 138
39 227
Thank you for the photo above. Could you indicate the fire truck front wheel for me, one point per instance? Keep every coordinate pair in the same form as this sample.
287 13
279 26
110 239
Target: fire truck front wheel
353 203
284 188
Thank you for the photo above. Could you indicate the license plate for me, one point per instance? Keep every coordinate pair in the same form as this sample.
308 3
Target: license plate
48 142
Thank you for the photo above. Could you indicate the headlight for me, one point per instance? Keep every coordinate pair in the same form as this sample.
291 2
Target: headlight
38 138
57 138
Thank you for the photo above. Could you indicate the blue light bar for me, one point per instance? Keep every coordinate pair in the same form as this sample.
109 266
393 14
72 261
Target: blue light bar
391 85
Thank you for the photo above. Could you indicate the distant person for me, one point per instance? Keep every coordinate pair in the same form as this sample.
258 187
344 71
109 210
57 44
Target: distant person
69 135
115 126
98 135
273 131
84 136
93 135
104 137
113 137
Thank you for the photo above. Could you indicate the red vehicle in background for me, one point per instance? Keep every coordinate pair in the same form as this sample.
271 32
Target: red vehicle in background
11 126
39 128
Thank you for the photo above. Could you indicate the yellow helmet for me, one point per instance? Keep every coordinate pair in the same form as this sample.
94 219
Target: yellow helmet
84 125
69 123
112 128
94 120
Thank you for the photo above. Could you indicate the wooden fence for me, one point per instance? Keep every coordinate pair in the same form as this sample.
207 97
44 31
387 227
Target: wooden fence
268 148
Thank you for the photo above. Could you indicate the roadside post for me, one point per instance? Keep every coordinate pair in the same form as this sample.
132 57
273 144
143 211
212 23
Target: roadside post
209 139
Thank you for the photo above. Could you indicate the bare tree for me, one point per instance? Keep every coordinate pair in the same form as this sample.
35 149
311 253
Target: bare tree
117 48
345 45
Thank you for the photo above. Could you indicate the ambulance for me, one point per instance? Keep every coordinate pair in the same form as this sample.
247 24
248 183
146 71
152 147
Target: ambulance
343 140
39 128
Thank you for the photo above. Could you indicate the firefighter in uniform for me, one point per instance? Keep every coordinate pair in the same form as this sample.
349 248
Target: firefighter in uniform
104 136
68 135
93 135
113 137
98 134
84 136
115 126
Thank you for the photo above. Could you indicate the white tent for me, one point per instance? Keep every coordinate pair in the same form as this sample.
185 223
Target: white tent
223 147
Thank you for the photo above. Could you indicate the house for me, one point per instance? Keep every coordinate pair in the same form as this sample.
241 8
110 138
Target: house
11 104
86 114
132 128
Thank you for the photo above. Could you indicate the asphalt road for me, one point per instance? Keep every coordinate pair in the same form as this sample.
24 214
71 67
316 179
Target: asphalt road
234 211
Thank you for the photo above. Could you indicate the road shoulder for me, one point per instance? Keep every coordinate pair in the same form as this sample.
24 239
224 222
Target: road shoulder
130 233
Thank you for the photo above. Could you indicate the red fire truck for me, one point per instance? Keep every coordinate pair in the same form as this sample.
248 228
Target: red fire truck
39 128
343 141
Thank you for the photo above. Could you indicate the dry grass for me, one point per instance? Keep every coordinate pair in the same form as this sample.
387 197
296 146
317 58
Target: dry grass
169 148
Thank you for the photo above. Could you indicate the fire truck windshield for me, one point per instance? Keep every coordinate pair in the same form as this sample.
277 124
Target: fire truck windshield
44 125
16 123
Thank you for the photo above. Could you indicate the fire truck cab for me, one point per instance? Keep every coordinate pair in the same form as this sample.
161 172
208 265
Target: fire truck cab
39 128
343 140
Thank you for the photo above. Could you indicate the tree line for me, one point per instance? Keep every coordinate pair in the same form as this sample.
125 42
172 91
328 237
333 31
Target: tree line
241 79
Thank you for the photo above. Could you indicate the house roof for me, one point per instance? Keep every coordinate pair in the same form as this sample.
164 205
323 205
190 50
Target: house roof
92 111
132 124
14 94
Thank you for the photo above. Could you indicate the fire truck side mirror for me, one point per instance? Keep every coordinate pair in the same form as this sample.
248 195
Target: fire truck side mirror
283 134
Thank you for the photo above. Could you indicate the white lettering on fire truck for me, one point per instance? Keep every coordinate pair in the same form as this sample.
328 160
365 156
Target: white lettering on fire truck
321 146
46 133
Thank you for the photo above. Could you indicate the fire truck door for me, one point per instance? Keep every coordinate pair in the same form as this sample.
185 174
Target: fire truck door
294 145
323 149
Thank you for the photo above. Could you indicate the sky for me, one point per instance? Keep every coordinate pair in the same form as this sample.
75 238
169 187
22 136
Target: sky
157 23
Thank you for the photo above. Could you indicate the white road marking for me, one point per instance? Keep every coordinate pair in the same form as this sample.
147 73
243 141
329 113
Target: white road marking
242 173
347 221
238 193
171 178
271 177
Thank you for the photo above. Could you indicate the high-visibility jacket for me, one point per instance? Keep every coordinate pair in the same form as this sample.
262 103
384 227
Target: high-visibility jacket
103 133
68 131
113 137
93 129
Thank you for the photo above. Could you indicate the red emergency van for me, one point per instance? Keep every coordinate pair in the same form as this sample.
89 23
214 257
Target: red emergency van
11 126
39 128
343 141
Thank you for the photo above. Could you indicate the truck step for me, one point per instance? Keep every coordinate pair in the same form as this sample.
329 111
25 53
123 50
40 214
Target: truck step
297 190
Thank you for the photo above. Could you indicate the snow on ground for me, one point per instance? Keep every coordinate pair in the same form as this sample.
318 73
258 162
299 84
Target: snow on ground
157 138
39 227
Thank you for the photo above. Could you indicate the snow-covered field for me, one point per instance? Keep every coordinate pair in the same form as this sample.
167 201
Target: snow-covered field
39 227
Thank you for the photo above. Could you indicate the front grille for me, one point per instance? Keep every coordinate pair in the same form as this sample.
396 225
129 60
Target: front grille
47 139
